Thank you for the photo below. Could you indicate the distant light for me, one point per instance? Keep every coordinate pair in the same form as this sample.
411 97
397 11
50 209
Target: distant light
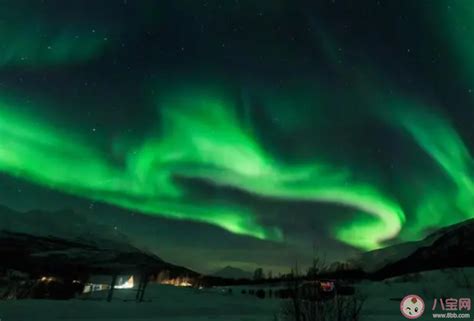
47 279
181 282
127 285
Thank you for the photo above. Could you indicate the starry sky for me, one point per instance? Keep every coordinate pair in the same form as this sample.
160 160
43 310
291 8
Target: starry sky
243 133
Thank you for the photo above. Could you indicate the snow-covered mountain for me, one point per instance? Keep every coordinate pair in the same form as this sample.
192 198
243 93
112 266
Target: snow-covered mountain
230 272
451 246
41 241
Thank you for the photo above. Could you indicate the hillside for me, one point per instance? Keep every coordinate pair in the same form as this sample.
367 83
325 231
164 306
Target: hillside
230 272
451 246
32 242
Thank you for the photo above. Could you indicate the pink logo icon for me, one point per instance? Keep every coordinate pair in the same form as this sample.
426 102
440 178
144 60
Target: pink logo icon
412 306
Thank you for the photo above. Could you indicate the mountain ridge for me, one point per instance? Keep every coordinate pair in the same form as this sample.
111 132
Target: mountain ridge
230 272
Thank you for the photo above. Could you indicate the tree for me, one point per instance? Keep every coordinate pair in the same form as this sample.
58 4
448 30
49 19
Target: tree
318 266
258 274
313 270
269 275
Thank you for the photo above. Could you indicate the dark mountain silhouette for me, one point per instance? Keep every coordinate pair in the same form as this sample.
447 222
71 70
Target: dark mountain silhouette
230 272
39 243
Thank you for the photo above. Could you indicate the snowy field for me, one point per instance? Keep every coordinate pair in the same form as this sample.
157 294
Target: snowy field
163 303
186 304
383 298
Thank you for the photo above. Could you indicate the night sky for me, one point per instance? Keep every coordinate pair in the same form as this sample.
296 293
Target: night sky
241 132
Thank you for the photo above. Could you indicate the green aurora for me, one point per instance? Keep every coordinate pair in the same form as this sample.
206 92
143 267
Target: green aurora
201 139
199 135
47 40
437 138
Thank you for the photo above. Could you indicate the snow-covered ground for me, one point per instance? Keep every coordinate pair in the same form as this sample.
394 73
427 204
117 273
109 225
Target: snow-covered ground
186 304
163 303
383 298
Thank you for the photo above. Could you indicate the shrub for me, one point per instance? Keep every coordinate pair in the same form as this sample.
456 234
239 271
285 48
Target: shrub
341 308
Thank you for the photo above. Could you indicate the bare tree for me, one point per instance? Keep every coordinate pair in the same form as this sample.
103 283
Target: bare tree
306 302
258 274
341 308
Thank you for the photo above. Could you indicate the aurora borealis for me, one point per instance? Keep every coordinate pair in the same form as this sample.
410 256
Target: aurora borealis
267 126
